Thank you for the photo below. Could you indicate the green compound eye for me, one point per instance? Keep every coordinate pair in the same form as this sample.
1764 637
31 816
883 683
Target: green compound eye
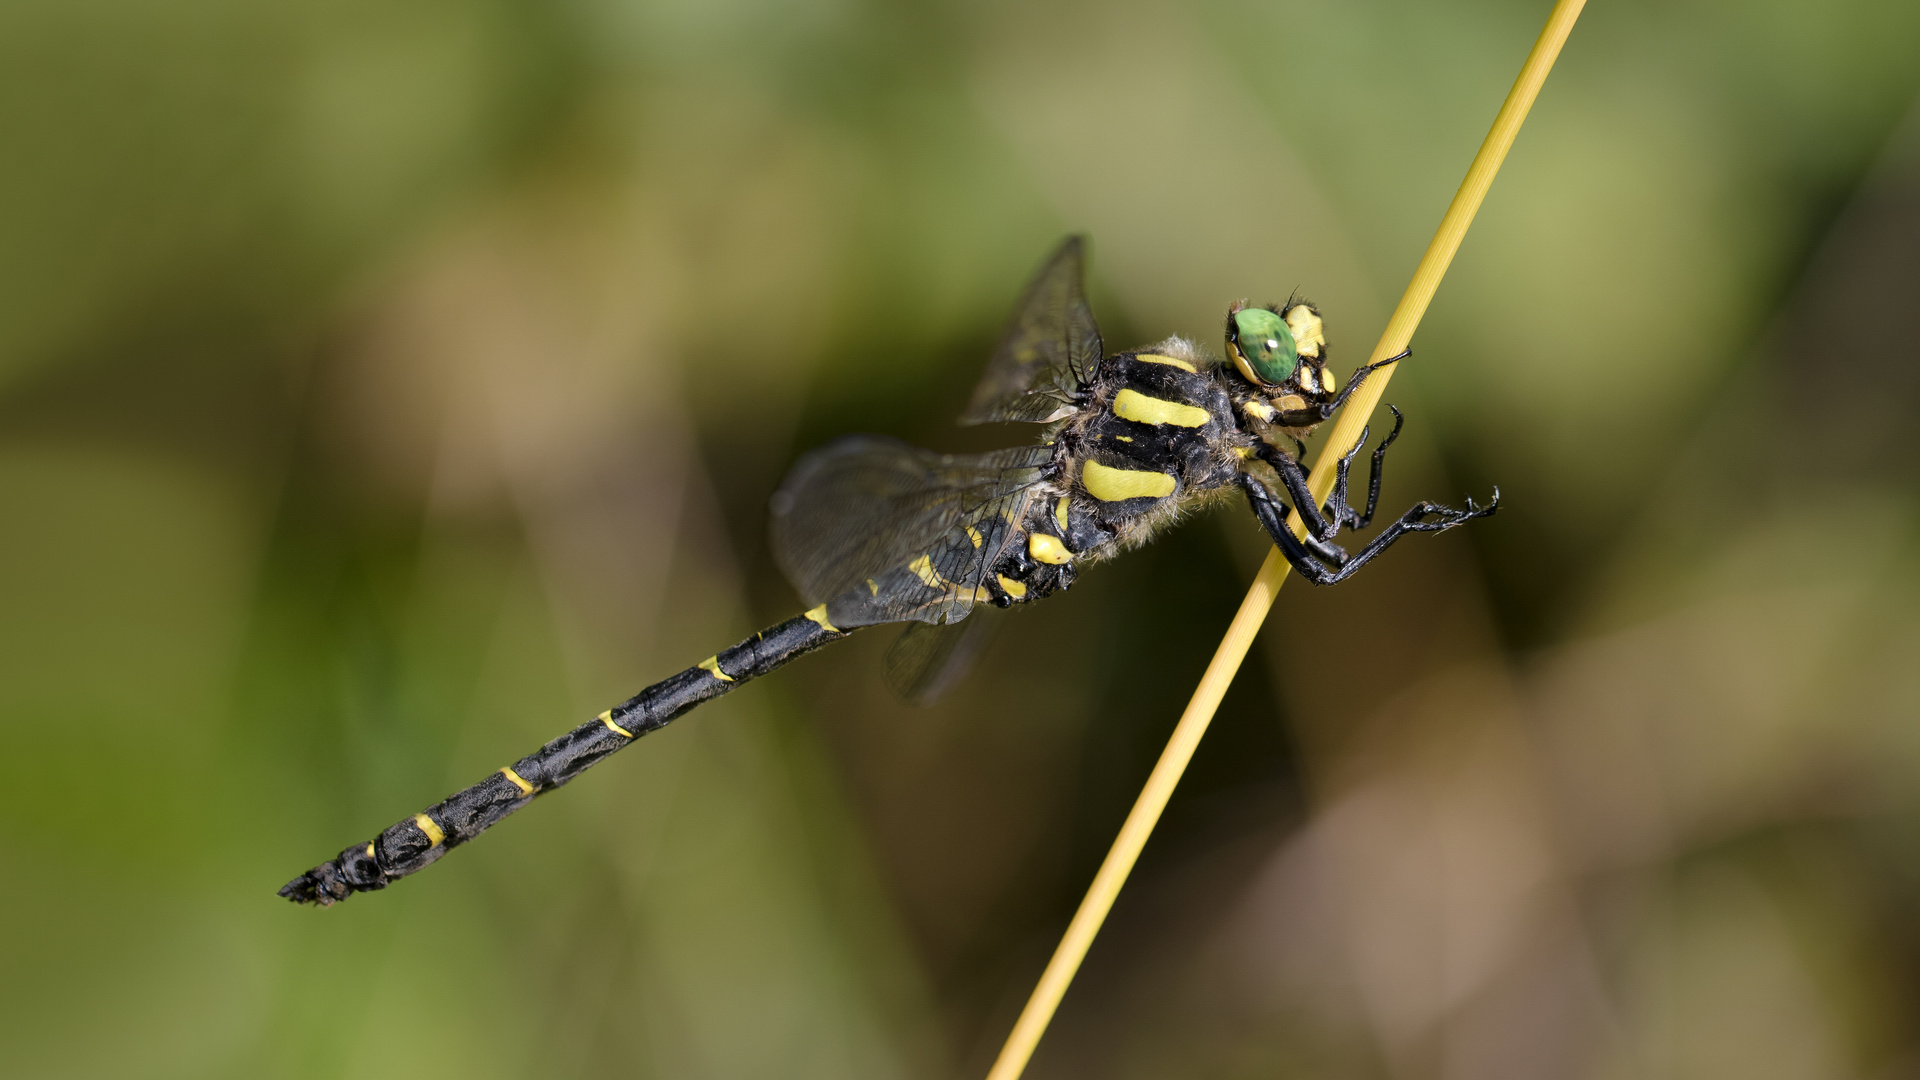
1262 346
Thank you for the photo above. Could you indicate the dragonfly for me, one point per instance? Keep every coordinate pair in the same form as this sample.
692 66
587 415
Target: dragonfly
872 530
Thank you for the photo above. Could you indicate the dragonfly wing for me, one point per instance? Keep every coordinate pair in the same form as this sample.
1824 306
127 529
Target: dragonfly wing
1049 353
926 660
882 531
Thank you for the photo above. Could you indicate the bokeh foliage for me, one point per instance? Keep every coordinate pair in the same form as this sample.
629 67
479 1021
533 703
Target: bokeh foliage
385 386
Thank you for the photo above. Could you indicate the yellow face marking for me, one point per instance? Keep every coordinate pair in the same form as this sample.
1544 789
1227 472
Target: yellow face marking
1060 512
607 719
525 788
1290 403
1156 358
819 615
1309 333
1306 379
1015 589
1259 410
434 836
1114 485
923 568
1048 549
1132 405
712 663
1246 369
973 534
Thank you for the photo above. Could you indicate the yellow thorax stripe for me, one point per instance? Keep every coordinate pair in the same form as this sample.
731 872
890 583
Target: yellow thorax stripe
1115 485
1133 405
1156 358
1015 589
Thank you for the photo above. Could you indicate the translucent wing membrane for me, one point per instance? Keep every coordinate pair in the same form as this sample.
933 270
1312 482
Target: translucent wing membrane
1049 353
925 661
882 531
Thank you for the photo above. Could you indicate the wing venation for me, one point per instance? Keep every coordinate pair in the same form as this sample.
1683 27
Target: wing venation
1050 351
883 531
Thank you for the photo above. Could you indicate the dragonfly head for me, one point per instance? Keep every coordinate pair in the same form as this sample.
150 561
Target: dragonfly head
1282 351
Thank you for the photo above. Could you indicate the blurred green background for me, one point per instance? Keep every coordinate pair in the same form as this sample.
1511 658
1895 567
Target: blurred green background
384 387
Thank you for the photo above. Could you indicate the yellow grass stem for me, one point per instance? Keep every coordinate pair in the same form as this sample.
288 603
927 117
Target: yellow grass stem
1253 610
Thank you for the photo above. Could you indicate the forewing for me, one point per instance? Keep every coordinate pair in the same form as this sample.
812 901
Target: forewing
1050 351
883 531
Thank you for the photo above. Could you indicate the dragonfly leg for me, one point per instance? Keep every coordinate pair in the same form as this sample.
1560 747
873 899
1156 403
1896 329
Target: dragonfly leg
1359 376
1323 563
1337 509
1294 478
1338 514
1273 517
1337 503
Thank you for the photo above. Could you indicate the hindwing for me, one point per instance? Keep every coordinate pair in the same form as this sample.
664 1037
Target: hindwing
883 531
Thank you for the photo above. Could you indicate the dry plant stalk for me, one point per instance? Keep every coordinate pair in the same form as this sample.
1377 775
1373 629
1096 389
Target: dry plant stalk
1253 610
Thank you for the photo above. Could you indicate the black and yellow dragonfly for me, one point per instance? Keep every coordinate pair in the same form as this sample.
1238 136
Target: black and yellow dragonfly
871 530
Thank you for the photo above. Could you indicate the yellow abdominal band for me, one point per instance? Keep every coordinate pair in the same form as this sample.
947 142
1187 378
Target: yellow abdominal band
525 788
434 836
607 719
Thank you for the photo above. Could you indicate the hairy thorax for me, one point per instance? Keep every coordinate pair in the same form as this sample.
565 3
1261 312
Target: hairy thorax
1157 437
1161 431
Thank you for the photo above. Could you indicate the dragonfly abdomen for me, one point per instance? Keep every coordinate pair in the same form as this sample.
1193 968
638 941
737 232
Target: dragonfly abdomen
416 842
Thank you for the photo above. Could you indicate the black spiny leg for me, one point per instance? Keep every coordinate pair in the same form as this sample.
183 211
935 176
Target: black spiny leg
1337 502
1314 414
1273 518
1339 515
1316 557
1353 382
1322 528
